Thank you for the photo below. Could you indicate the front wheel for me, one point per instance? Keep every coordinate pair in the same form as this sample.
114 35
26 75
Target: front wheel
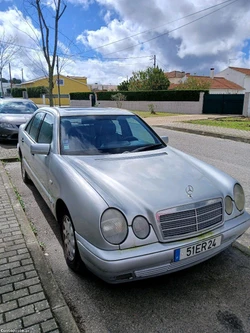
71 252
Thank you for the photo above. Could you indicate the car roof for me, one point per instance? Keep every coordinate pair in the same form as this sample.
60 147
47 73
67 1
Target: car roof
64 112
9 99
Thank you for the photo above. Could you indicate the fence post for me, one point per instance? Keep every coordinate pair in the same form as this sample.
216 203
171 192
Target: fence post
246 105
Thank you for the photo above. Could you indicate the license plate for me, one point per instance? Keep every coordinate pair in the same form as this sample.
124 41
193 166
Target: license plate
197 248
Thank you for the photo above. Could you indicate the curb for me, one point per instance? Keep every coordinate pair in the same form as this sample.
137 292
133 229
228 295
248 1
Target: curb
205 133
58 306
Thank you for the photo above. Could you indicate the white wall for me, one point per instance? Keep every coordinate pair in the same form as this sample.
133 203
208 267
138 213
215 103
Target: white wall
234 76
226 91
173 107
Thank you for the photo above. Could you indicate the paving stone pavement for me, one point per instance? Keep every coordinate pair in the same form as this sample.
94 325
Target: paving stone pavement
30 300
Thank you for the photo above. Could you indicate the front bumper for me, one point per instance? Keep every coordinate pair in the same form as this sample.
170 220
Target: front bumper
158 258
9 134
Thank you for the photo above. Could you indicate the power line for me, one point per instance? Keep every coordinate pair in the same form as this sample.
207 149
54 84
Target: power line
149 30
168 32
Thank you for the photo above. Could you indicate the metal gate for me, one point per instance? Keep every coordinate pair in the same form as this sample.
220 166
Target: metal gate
223 103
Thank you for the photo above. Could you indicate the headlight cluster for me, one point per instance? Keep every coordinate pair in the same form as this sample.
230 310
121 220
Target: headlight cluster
238 198
114 226
7 125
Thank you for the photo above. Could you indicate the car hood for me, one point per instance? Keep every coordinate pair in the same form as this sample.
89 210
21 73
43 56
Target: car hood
150 181
17 119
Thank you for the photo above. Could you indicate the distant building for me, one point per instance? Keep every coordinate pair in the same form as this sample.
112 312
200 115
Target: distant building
102 87
238 75
68 84
217 84
175 76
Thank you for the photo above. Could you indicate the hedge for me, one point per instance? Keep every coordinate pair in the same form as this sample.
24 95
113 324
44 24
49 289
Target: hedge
34 92
163 95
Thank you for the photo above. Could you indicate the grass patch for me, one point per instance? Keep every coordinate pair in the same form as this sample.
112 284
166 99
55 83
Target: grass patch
19 198
146 114
239 123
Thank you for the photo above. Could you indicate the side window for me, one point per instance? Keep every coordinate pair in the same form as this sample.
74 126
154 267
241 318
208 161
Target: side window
33 129
46 131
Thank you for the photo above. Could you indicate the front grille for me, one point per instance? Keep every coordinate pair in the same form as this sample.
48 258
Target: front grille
191 219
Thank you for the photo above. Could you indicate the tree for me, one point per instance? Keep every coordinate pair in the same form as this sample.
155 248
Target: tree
123 86
49 42
150 79
8 49
16 81
195 83
119 98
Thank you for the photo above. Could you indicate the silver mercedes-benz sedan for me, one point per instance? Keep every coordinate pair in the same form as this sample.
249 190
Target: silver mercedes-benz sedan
13 113
129 206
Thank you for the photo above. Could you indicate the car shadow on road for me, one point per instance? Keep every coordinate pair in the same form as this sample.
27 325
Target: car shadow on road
54 225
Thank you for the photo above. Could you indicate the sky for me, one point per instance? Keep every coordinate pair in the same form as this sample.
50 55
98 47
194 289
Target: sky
107 40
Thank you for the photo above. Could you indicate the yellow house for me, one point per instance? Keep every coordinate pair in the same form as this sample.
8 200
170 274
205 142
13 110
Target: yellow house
67 84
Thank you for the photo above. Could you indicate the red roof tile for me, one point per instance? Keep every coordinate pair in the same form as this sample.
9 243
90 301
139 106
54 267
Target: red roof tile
218 82
175 74
242 70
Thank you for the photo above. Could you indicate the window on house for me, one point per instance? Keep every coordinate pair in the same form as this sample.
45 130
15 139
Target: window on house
60 82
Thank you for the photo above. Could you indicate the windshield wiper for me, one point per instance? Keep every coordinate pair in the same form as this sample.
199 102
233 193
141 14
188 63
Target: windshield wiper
149 147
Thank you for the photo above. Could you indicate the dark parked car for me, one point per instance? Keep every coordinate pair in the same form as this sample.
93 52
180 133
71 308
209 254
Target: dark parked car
13 113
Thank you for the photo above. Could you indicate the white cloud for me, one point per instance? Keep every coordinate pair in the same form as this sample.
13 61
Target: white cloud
215 40
209 40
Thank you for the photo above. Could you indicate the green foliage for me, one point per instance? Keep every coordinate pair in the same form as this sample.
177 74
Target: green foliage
3 80
162 95
77 96
118 98
193 83
150 79
151 108
17 92
123 86
16 81
34 92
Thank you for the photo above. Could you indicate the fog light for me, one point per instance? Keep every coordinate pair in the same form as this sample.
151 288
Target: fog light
228 205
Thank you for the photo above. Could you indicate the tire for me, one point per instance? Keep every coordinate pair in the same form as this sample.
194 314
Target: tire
24 174
70 248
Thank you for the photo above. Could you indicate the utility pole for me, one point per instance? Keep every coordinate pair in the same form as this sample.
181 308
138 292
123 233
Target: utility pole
154 61
22 74
58 80
10 79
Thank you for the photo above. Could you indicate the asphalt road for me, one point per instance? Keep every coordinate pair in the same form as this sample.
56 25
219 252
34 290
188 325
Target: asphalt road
211 297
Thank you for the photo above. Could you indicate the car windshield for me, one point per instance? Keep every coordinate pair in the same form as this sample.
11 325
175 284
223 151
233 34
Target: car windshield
17 107
91 135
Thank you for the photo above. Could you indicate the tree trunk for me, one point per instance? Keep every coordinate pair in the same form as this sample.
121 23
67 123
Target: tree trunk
2 93
51 86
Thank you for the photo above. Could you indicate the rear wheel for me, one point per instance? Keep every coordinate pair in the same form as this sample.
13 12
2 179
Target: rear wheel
71 252
25 176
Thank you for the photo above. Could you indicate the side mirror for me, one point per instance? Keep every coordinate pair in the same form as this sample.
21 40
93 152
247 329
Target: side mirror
40 148
165 139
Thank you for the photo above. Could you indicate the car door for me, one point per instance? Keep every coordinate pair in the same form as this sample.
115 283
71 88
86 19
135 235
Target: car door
40 131
29 136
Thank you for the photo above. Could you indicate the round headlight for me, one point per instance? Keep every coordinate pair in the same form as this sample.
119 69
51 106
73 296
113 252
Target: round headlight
228 205
239 197
141 227
114 226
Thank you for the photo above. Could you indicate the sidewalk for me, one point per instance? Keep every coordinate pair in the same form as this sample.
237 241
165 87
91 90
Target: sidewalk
177 123
30 299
